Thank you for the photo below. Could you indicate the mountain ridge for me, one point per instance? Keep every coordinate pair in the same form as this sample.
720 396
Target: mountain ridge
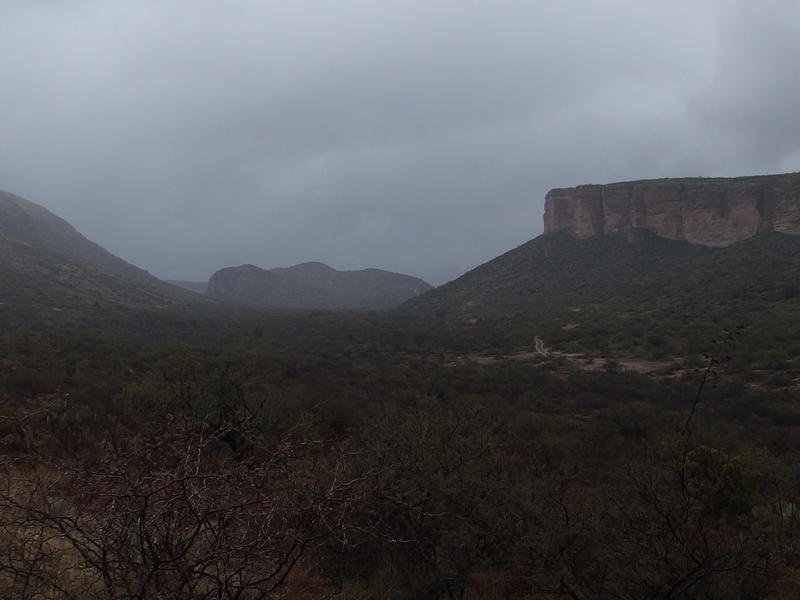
51 273
26 221
313 285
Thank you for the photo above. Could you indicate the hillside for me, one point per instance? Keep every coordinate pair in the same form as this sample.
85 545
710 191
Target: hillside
52 274
24 221
651 268
654 298
313 285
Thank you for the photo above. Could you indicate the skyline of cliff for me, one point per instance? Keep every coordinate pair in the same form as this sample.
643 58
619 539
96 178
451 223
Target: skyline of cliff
715 211
190 136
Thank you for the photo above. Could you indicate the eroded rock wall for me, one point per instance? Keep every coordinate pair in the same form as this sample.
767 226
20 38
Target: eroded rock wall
712 212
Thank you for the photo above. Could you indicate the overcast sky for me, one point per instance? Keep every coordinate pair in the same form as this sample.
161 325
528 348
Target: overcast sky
418 136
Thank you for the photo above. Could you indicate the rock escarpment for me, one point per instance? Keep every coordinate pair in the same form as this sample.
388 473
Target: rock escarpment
711 212
313 285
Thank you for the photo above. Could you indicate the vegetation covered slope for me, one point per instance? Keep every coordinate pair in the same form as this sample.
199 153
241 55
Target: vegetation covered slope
25 221
654 297
50 273
44 287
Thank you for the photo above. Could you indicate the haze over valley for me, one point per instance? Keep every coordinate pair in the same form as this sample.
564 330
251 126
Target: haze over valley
405 301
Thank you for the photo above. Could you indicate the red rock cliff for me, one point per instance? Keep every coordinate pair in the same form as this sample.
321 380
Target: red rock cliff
712 212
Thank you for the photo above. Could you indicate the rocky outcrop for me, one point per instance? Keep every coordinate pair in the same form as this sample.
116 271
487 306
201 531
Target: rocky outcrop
313 285
711 212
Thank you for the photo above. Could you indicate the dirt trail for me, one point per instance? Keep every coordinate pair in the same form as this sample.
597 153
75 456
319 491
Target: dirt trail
579 360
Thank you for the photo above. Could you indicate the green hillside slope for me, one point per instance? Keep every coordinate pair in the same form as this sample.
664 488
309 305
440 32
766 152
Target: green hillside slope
652 298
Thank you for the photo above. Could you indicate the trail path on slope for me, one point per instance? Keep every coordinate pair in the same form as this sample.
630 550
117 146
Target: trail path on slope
579 360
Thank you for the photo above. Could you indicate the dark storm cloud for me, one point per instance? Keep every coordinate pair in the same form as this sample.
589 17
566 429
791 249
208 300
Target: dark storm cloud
418 136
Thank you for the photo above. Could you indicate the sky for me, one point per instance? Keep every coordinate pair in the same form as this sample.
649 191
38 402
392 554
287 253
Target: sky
418 136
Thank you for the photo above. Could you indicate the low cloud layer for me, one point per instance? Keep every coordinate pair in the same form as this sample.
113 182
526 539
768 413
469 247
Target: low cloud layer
416 136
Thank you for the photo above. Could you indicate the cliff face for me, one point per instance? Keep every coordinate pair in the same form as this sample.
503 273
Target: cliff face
711 212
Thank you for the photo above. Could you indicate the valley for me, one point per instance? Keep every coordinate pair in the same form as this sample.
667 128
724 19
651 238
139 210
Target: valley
378 300
584 416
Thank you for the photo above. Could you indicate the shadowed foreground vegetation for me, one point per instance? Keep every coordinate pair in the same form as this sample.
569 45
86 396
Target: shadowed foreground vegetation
309 457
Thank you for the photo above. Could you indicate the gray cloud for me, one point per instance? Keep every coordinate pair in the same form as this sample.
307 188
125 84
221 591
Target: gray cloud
418 136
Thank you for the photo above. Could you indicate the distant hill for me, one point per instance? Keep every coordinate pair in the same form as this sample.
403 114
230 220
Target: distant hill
313 285
51 273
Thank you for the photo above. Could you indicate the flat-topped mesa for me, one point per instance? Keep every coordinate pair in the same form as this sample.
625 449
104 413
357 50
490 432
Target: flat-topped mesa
711 212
